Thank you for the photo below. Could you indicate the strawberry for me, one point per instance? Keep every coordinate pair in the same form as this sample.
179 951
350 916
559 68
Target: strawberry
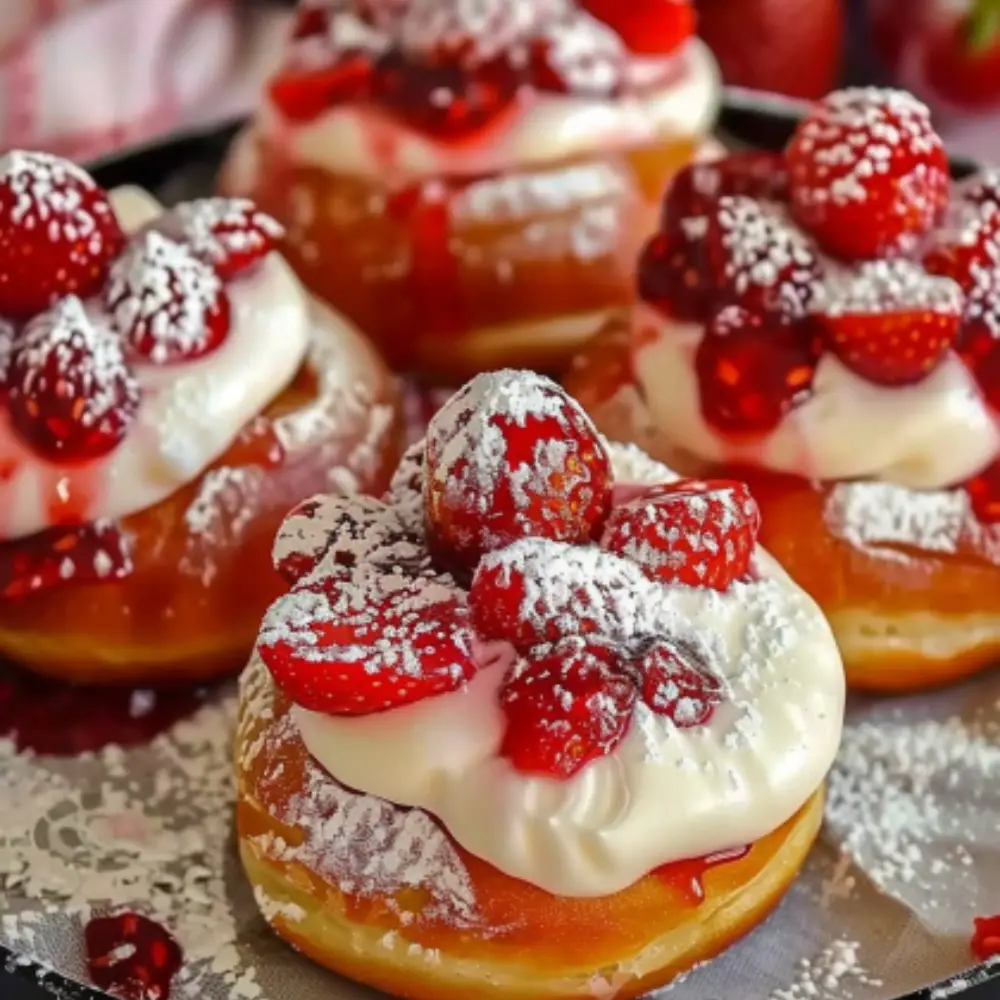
693 532
968 245
892 322
984 494
131 956
302 94
536 591
758 258
671 274
511 455
343 532
677 683
647 27
58 233
70 393
961 56
565 708
228 234
868 174
986 937
753 369
374 641
578 56
168 305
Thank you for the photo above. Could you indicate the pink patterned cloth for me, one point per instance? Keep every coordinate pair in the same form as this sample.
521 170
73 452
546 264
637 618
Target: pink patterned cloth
83 77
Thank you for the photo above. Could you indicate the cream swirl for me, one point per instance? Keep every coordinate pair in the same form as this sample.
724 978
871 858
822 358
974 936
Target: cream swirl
189 414
665 793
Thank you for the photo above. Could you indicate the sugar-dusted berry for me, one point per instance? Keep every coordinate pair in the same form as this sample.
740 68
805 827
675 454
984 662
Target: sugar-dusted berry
58 232
700 533
868 174
511 455
376 640
890 321
578 55
672 276
758 258
70 393
753 369
536 591
168 305
677 683
228 234
564 708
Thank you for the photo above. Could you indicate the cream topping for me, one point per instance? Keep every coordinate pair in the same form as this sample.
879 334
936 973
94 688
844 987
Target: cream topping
544 128
189 414
924 436
665 793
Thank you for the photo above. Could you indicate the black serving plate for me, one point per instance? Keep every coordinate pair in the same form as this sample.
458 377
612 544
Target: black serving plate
187 163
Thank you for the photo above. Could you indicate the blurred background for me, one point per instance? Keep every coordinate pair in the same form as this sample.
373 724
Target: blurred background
83 77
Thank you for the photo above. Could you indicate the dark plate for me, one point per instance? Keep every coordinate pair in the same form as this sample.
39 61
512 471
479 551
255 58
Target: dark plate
187 163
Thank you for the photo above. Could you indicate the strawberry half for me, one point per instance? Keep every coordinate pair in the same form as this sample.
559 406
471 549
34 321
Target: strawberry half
693 532
868 174
168 305
564 709
375 641
510 456
58 233
537 591
892 322
228 234
69 390
677 683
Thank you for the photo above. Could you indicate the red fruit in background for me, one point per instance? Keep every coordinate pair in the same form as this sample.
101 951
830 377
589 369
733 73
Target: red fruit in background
752 370
647 27
693 532
792 47
565 709
892 322
678 684
131 956
58 233
70 393
510 456
961 55
868 175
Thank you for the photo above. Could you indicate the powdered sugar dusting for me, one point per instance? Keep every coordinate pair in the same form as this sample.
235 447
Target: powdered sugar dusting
828 975
219 228
886 286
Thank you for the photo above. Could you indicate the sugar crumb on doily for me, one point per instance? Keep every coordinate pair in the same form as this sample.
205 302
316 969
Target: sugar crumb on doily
828 975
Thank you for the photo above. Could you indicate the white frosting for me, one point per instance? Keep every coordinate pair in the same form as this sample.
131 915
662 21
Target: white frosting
664 794
360 140
923 436
190 413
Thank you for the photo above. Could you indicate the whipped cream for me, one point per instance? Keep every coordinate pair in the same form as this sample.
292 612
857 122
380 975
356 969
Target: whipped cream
928 435
189 415
362 141
664 794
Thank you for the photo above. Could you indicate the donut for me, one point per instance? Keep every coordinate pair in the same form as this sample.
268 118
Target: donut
460 725
830 338
169 392
479 176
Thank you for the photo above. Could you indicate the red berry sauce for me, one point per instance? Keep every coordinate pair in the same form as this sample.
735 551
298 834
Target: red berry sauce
688 877
131 957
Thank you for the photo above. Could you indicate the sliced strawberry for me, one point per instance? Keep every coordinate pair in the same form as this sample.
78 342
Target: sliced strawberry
693 532
375 641
344 533
510 456
131 957
892 322
580 56
752 370
304 94
758 258
537 591
648 27
58 233
672 277
677 683
70 393
168 305
228 234
564 709
868 174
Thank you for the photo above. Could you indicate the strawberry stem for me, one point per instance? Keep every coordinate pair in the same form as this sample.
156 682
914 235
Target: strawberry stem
982 24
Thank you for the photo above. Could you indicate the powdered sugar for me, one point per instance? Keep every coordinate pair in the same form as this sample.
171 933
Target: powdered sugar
585 55
218 229
887 286
828 975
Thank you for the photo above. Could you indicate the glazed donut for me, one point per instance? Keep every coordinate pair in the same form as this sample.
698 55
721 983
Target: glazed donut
781 338
481 186
450 784
138 514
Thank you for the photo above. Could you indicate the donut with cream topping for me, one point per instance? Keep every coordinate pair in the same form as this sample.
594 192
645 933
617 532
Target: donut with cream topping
455 745
479 175
169 390
825 329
